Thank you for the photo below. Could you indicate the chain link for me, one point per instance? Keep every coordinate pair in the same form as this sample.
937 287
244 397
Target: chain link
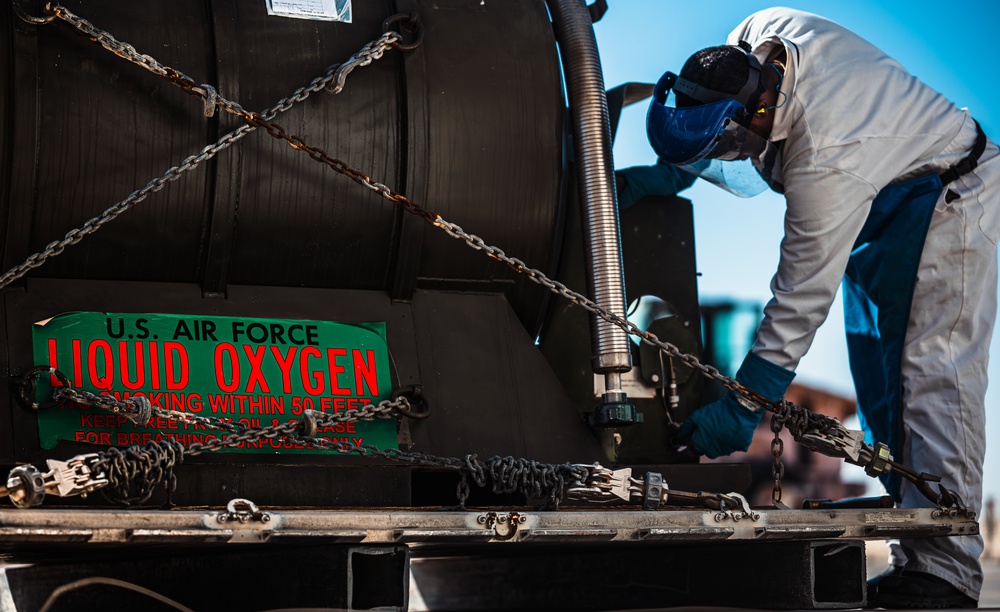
778 468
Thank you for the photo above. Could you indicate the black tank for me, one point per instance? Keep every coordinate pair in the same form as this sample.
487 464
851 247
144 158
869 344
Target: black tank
468 124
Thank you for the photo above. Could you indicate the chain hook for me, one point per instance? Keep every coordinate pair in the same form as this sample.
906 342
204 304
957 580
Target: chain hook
410 23
20 12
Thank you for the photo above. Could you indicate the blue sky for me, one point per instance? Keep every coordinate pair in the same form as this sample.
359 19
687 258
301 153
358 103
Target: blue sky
948 45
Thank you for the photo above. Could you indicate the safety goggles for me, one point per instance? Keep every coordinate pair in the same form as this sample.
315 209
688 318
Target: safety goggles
710 141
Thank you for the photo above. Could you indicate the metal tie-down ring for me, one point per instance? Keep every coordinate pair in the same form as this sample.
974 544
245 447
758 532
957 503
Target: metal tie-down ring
419 408
411 24
30 19
26 388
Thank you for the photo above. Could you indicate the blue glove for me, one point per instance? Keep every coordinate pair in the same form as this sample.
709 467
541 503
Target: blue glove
727 425
639 181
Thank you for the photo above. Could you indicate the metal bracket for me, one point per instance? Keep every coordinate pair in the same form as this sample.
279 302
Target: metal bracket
245 522
737 513
244 511
492 520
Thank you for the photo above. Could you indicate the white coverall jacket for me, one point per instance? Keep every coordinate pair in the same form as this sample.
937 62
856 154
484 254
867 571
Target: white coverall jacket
855 121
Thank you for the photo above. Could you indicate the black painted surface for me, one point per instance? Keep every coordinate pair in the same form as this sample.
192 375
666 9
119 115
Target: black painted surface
468 125
758 575
233 577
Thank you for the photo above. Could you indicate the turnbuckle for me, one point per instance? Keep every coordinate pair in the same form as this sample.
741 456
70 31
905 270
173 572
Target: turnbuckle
26 485
881 460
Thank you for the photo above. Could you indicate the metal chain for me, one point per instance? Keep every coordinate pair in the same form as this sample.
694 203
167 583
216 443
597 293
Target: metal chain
369 53
333 79
134 473
778 468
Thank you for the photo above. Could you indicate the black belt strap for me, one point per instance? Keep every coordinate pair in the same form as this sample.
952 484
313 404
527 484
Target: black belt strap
970 162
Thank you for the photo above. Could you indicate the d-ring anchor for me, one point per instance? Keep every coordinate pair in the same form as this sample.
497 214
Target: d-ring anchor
34 20
26 388
492 520
411 24
419 408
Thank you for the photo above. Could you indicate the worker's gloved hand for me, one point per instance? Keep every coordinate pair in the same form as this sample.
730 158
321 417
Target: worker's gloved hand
727 425
639 181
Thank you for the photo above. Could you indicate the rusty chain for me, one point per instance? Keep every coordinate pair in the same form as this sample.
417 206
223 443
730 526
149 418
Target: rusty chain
134 472
817 432
332 80
777 468
131 475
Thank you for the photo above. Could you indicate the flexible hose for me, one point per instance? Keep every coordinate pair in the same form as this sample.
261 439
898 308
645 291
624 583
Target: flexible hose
595 173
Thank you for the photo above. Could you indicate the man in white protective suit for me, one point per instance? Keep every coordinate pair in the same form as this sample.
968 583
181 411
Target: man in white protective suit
893 193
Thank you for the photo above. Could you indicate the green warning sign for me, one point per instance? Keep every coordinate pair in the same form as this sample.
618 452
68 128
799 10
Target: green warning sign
258 372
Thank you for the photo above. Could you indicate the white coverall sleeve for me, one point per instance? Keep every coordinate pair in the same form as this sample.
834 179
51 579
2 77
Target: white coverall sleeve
826 210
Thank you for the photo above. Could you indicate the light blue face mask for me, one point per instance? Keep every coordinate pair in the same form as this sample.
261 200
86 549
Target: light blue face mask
743 178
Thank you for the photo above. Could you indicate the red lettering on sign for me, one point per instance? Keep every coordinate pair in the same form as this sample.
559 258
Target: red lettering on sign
337 428
185 402
220 403
140 365
234 361
102 420
77 364
336 370
304 354
170 351
350 403
285 365
131 438
53 363
154 366
93 437
101 382
256 357
364 370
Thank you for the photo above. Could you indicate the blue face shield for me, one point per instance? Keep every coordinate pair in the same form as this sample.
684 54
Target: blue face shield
710 141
